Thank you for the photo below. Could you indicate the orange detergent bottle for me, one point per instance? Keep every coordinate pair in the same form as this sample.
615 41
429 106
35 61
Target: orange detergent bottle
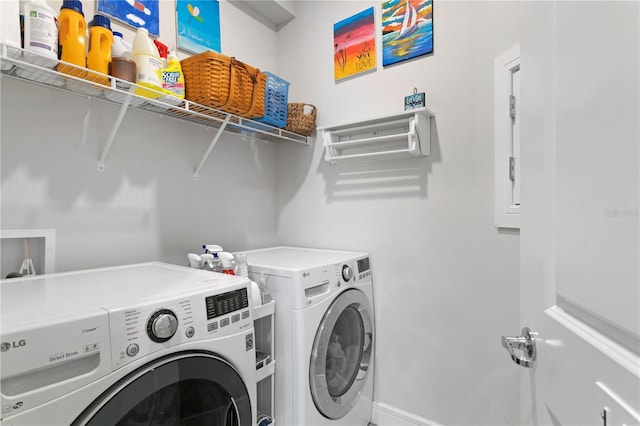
72 40
100 42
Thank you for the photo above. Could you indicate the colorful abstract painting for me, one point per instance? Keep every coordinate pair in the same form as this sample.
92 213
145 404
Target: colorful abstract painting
137 13
354 45
198 23
407 30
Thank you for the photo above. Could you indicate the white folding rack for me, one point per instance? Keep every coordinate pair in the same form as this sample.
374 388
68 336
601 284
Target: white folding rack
400 135
19 64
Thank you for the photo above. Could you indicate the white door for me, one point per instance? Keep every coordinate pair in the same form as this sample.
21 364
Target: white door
580 233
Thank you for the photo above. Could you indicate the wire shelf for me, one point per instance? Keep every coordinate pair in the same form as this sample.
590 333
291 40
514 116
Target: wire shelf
20 64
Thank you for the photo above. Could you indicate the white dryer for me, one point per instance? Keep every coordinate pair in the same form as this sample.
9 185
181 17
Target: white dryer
324 333
141 344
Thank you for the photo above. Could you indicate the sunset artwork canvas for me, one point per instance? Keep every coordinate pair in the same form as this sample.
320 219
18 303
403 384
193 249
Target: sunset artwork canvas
354 41
407 30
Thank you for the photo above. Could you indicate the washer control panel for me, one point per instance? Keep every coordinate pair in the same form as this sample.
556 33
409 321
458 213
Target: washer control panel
162 325
347 272
143 329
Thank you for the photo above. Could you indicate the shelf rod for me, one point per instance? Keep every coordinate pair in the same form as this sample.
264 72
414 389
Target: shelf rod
370 141
196 173
371 126
369 155
114 129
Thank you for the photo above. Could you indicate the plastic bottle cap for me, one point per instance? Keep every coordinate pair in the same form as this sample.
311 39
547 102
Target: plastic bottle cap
73 5
101 21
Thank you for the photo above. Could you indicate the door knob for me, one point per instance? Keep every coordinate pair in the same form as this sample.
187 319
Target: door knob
525 343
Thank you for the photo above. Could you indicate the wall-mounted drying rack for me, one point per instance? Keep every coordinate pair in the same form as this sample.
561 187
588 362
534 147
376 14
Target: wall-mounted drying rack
19 64
400 135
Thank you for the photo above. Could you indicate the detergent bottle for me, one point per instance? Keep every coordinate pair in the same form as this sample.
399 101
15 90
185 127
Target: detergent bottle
100 43
148 65
72 39
40 34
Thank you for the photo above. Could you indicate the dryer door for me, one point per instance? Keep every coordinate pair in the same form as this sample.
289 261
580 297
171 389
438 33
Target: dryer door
341 353
186 388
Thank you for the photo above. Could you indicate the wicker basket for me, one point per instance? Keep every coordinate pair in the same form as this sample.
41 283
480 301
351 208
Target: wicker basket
300 122
224 83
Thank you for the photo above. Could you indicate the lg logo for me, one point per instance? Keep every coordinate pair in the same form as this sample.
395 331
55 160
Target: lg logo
5 346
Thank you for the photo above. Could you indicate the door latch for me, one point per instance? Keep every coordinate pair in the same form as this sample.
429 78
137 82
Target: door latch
525 343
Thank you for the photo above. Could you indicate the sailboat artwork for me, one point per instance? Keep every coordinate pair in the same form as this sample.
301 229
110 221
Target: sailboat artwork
409 21
407 30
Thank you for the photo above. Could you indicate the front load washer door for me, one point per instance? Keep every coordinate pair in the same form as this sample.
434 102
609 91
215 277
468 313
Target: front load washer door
181 389
341 353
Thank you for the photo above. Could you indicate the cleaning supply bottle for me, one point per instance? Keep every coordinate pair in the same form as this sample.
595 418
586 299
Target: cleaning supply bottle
228 263
100 43
72 39
163 51
241 264
148 65
213 250
120 47
173 78
40 34
195 261
122 66
208 263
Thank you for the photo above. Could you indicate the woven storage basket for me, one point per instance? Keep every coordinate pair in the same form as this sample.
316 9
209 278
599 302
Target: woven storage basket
298 121
224 83
275 101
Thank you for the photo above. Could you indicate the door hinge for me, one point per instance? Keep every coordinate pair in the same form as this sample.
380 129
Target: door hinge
512 168
512 106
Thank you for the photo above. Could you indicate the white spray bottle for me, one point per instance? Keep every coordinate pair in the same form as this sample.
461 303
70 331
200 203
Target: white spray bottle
228 263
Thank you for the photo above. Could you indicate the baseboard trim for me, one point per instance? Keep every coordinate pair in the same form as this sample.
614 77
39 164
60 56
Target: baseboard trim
388 415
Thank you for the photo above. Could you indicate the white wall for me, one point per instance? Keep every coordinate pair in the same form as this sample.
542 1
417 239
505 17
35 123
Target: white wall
445 280
145 205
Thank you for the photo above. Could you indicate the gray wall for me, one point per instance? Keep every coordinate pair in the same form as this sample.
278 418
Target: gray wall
445 280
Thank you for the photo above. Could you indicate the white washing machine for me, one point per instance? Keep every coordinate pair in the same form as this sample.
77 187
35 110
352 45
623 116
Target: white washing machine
324 333
151 343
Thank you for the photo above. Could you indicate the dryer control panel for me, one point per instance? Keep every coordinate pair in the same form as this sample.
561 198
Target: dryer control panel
364 268
353 271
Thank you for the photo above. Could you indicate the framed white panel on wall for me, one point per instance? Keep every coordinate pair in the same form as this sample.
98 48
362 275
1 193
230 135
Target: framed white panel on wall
507 139
41 249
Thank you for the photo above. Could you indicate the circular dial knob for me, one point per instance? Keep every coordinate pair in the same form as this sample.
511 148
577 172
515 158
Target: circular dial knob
347 272
162 325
